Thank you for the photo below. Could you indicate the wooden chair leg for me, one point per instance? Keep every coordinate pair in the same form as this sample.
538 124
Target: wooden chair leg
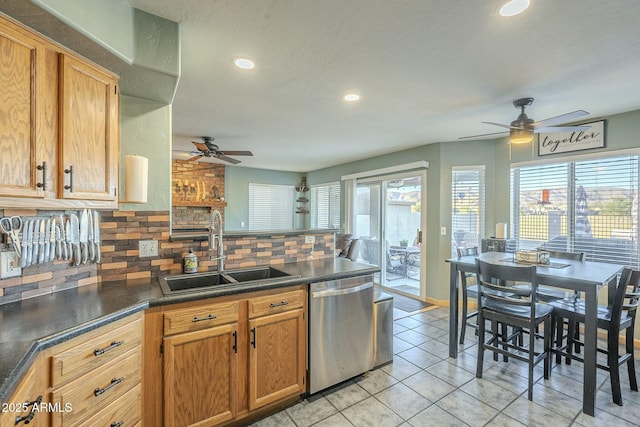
480 359
495 335
464 318
614 369
570 342
559 331
532 342
631 365
505 334
548 339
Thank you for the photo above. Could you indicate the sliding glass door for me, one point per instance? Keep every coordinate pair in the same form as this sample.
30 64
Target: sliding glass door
388 221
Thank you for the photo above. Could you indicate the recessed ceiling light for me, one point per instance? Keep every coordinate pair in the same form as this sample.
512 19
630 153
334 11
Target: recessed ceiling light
351 97
244 63
514 7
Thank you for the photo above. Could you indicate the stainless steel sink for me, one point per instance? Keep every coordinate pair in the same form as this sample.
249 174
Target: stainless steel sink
251 274
200 281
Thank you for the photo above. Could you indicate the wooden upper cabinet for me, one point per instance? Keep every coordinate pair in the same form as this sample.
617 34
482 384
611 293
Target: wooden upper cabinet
22 75
57 111
89 142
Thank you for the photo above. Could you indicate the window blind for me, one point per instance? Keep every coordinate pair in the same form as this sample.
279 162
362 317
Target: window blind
271 206
325 205
467 206
586 206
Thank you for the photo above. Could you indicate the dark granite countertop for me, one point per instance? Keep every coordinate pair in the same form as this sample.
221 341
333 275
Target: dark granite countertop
29 326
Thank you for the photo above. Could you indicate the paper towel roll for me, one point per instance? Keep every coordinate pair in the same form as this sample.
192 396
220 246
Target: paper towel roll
136 171
501 230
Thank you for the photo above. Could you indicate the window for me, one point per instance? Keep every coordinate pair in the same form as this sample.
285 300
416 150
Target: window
271 206
325 205
586 206
467 206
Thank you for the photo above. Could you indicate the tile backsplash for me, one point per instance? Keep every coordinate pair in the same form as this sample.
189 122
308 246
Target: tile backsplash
120 233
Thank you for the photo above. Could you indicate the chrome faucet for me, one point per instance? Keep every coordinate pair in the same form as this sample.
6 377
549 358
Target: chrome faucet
215 233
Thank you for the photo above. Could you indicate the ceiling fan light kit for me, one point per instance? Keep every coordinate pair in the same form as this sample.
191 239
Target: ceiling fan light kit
518 136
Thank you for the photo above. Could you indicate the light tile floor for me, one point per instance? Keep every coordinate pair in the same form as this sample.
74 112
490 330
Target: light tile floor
424 387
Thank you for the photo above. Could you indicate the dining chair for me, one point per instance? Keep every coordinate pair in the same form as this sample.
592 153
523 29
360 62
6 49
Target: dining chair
468 290
519 309
619 316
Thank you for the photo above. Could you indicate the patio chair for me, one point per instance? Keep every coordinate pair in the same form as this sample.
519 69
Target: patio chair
617 317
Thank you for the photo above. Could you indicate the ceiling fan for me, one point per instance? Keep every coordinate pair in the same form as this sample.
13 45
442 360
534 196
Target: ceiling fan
521 130
209 149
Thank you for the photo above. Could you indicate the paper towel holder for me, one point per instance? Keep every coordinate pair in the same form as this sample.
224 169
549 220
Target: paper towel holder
136 173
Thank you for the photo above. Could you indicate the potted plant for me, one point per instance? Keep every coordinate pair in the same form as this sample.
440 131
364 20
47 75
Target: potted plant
404 243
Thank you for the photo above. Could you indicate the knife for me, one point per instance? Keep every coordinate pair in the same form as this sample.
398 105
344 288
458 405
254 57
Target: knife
34 241
96 235
26 233
29 238
46 243
63 240
59 242
74 234
52 240
84 236
69 245
41 237
92 249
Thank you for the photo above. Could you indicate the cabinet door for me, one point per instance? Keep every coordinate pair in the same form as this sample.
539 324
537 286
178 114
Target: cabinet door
277 357
201 377
90 142
19 72
27 405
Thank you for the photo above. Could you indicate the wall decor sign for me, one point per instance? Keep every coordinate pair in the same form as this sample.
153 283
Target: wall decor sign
563 142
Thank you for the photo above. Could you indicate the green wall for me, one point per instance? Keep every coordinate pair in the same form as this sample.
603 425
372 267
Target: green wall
236 191
145 130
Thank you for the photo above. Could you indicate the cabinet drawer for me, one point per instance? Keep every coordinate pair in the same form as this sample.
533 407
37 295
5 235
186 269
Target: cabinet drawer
276 303
201 317
103 345
125 411
95 390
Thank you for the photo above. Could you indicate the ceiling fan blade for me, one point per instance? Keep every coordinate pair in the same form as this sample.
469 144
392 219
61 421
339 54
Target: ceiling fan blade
549 129
235 153
200 146
194 158
502 126
227 159
562 118
483 134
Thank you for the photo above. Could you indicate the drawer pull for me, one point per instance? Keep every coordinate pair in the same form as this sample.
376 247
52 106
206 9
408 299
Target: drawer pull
70 173
117 424
253 340
114 382
200 319
114 344
280 304
27 419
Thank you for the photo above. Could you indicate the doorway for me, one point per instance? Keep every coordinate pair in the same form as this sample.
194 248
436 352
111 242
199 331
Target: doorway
388 219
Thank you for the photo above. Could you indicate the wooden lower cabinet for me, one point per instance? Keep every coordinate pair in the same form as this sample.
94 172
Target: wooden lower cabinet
276 357
27 405
224 360
200 377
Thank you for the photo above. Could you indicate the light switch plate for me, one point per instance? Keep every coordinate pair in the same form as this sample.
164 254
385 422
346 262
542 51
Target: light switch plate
147 248
9 265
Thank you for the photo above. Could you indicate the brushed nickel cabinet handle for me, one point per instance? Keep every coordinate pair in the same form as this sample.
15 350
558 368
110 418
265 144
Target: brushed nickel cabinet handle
114 344
200 319
70 173
114 382
43 168
280 304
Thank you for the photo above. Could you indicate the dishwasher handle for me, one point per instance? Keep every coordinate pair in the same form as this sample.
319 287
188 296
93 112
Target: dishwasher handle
343 291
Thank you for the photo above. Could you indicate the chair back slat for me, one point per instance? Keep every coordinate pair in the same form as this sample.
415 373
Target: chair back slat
490 276
470 251
576 256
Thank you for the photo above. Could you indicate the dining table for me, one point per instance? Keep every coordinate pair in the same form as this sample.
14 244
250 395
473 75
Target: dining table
587 277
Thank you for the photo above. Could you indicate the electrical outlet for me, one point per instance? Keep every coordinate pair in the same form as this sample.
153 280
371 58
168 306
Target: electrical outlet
443 231
310 239
9 265
147 248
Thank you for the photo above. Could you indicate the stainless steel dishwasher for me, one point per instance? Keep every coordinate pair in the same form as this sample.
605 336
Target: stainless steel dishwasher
340 330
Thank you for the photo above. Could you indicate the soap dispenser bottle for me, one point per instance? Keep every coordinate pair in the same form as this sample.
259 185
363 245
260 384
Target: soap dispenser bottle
190 262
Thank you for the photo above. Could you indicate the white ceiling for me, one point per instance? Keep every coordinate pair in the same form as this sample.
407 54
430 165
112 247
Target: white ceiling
427 71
